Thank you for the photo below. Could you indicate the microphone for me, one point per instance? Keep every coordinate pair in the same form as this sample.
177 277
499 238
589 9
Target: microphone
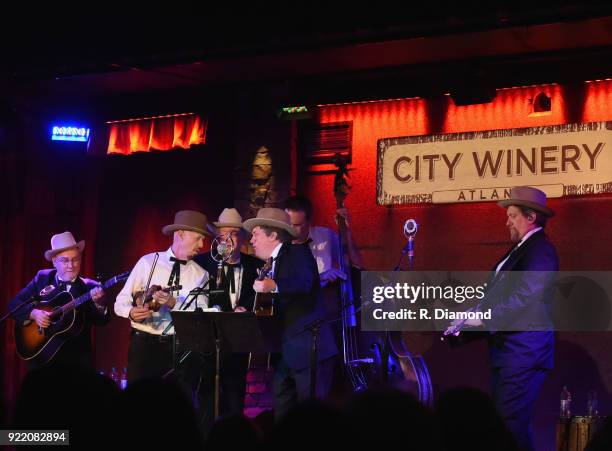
410 228
223 249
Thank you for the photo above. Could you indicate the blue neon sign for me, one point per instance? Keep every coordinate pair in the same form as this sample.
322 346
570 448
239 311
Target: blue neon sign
69 133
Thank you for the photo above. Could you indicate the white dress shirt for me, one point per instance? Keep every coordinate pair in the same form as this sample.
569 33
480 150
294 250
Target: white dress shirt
273 255
192 276
238 270
324 245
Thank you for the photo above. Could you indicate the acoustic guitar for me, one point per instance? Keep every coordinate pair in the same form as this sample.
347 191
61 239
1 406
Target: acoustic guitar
264 302
40 345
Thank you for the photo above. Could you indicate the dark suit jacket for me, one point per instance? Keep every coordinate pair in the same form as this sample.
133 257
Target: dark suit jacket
297 304
76 348
249 264
521 297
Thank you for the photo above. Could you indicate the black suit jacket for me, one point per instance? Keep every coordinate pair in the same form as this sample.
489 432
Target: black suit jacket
520 297
298 304
249 265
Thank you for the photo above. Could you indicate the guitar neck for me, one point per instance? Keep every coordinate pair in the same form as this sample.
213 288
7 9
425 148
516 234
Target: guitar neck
86 297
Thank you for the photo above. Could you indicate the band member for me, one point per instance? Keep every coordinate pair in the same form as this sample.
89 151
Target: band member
239 273
325 246
294 280
151 348
519 295
66 256
323 241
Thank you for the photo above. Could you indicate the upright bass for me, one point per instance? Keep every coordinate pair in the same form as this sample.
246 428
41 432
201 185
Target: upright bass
371 358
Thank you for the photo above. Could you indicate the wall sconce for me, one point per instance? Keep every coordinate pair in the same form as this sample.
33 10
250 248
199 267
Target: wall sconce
540 105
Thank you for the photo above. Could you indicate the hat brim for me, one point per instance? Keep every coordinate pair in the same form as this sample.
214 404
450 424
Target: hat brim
171 228
250 224
53 252
237 225
525 203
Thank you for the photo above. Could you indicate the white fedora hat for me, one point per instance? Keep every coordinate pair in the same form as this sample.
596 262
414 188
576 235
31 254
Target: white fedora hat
62 242
229 217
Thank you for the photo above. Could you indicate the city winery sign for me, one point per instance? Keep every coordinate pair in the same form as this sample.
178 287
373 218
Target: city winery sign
570 159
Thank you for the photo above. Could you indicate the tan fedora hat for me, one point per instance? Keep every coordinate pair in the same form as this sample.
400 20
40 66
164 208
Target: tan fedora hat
527 196
62 242
272 217
193 221
229 217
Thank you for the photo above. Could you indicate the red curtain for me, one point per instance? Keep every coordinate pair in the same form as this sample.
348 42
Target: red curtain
162 133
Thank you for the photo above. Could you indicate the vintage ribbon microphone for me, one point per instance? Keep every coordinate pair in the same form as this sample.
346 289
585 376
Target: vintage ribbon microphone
221 250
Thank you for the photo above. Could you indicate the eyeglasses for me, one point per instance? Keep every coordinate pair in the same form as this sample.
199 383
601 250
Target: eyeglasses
65 261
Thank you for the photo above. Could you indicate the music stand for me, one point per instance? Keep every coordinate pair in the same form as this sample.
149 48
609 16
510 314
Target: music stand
224 331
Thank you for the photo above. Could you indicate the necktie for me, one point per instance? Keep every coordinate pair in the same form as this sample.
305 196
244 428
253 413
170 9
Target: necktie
62 285
175 274
230 276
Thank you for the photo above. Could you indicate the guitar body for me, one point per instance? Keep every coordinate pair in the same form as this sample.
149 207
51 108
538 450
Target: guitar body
40 345
264 304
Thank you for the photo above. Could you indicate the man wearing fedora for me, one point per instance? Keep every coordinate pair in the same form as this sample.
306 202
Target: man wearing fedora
520 293
65 255
151 347
294 280
239 271
237 277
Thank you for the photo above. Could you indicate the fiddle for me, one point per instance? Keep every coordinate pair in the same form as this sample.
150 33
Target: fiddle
140 299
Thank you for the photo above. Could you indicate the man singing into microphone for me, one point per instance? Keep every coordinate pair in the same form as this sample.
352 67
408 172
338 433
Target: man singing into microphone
238 274
240 269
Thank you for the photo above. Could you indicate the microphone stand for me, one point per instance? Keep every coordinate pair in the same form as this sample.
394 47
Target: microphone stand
192 296
33 300
410 230
383 348
408 249
314 330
